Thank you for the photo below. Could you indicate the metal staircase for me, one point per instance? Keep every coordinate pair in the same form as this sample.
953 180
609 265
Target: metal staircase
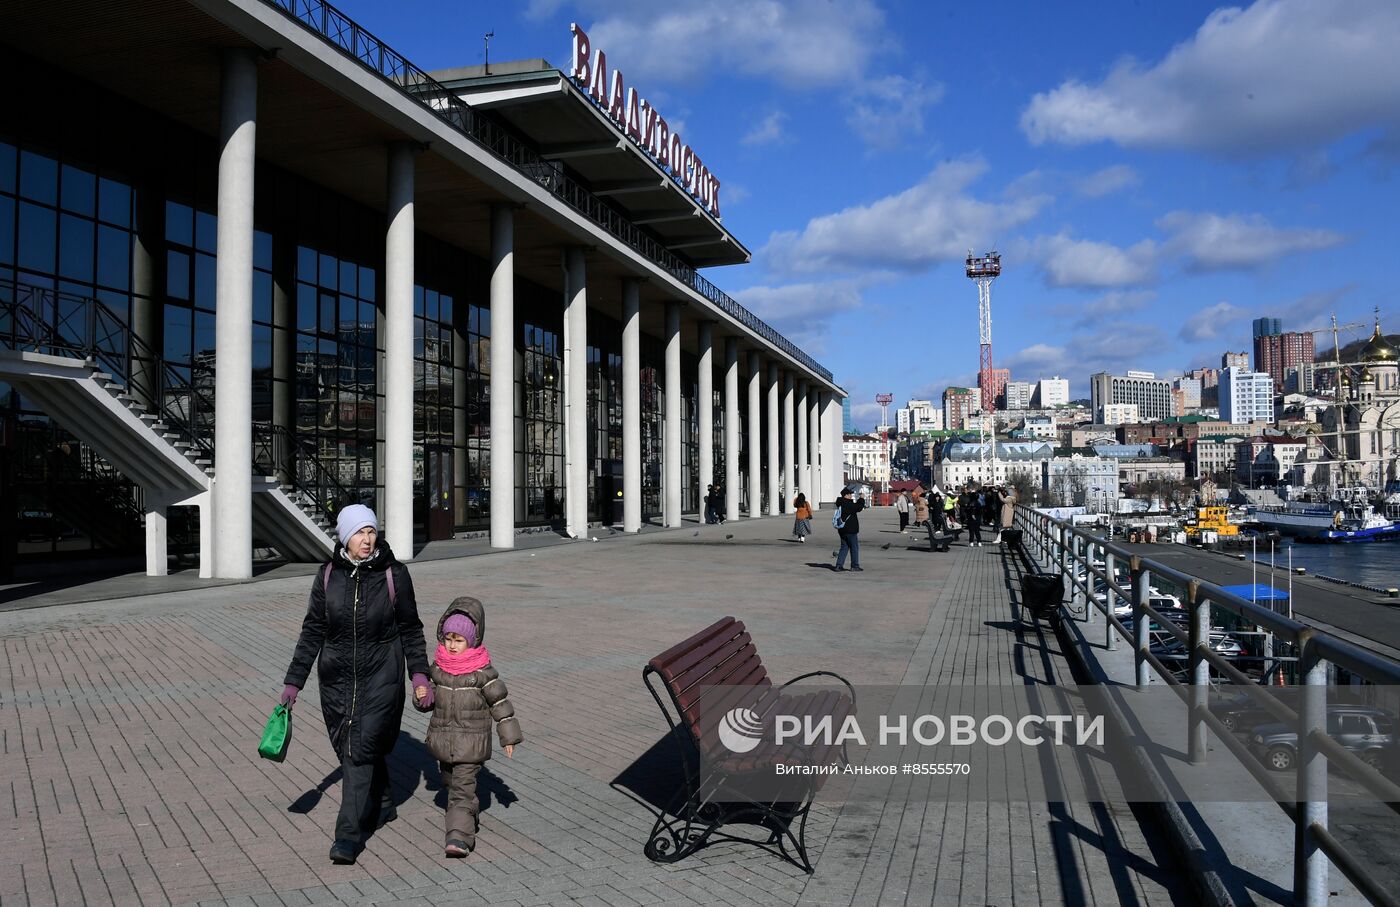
77 360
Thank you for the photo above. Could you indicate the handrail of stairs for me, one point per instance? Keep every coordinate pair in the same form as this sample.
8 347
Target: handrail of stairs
82 327
278 452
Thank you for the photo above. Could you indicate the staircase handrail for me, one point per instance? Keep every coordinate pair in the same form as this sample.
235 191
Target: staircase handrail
83 327
326 492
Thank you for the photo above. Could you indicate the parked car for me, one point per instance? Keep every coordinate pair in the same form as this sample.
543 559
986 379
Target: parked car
1367 731
1241 712
1159 601
1220 641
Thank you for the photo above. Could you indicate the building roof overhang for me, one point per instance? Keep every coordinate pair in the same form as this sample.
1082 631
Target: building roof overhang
549 111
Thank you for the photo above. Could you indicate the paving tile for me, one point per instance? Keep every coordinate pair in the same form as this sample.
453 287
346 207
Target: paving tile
120 790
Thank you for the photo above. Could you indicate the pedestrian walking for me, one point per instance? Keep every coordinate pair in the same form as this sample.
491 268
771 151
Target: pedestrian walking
972 517
847 523
466 697
901 506
921 508
1007 497
719 505
709 504
802 517
935 510
363 633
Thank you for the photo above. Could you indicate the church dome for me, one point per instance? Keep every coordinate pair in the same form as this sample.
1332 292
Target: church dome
1378 349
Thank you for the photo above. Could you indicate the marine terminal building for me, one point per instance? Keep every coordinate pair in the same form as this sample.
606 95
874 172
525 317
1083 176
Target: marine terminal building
255 265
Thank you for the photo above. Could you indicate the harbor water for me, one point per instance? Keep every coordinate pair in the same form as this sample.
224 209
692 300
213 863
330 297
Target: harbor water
1373 564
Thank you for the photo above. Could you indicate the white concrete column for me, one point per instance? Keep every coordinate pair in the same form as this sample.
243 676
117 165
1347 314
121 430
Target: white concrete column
705 411
731 428
755 440
789 476
814 448
775 487
157 548
233 320
631 405
397 518
832 475
804 475
576 394
672 463
502 376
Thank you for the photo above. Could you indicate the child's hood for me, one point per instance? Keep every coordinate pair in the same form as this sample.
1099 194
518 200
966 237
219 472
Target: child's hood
473 609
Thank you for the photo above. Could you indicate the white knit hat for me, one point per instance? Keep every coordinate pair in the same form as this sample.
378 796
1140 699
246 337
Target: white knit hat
352 519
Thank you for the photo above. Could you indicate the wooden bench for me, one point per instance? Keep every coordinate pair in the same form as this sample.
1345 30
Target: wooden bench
708 679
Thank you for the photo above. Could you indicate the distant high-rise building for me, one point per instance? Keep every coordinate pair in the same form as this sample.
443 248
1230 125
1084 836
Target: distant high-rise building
1018 394
1152 395
1267 327
846 424
1190 391
1052 392
957 404
1235 360
1274 353
1300 379
999 378
919 415
1246 396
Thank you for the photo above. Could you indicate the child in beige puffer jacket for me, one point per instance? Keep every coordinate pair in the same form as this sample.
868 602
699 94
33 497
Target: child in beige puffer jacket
466 697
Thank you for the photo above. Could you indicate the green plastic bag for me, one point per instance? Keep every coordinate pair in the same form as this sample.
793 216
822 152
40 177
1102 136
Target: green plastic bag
277 734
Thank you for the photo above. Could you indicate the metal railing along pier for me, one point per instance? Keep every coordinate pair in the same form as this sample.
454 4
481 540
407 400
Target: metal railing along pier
1085 558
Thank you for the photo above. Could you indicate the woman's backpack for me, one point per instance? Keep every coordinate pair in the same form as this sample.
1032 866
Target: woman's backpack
837 521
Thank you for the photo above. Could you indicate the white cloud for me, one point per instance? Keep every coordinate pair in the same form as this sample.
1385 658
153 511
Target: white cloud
1111 346
885 112
1211 322
802 312
933 221
1108 181
1214 242
798 43
1070 262
1280 75
808 45
767 131
1110 304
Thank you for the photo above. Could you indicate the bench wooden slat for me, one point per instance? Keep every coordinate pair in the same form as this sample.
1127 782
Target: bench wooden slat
719 629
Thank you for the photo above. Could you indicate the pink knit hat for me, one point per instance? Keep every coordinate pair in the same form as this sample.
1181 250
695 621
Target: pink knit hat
462 625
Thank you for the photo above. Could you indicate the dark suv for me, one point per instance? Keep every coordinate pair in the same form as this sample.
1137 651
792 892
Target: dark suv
1365 730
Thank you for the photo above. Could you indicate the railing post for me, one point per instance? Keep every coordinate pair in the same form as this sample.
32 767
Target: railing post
1199 675
1309 861
1110 599
1082 559
1141 579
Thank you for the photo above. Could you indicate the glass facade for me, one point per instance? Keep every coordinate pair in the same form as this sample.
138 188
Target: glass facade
133 226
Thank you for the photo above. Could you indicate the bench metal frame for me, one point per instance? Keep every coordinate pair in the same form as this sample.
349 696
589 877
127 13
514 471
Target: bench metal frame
694 818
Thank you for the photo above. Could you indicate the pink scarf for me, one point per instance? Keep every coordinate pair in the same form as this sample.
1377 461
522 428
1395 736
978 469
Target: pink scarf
464 662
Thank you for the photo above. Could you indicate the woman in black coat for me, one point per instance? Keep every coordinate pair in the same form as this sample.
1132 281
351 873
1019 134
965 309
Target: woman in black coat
362 626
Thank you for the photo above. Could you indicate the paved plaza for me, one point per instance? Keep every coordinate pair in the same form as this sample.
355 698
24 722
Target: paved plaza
129 772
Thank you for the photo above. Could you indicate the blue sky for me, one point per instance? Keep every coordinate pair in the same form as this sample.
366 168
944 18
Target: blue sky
1154 174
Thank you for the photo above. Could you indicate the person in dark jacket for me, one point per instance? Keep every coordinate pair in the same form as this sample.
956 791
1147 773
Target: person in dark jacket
971 503
466 697
846 510
363 632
